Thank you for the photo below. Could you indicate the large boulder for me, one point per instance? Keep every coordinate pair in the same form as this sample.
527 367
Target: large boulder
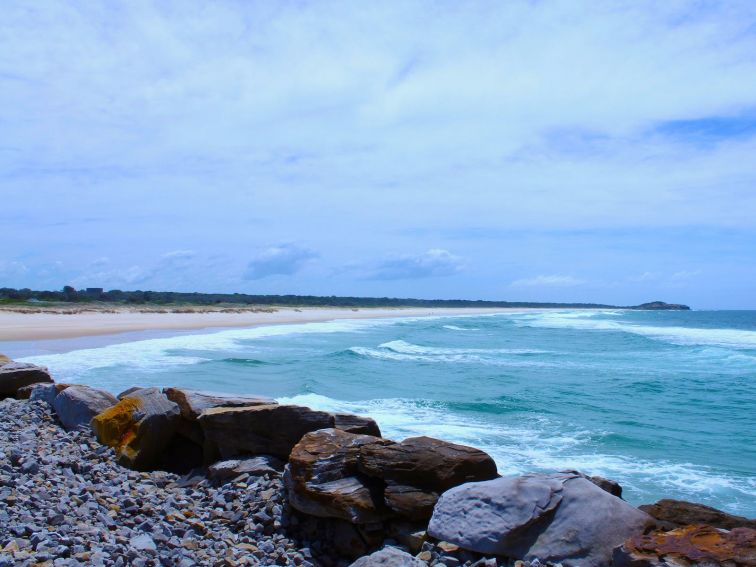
322 478
193 402
677 513
140 428
78 404
15 375
560 518
426 462
691 546
389 557
270 429
4 359
363 479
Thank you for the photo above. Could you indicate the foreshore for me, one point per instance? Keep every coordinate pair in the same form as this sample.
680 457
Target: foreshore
180 477
30 326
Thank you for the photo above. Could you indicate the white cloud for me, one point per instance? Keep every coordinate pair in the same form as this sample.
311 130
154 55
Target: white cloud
283 259
550 281
433 263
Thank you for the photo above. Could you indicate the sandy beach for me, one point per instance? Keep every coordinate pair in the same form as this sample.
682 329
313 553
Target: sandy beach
16 326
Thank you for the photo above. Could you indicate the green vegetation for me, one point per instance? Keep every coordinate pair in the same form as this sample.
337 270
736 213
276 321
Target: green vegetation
138 297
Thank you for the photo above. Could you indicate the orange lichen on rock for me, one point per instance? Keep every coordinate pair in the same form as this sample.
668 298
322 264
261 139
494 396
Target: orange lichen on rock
113 426
696 544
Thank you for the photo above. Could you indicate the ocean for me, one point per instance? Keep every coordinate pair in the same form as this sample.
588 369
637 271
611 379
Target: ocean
664 402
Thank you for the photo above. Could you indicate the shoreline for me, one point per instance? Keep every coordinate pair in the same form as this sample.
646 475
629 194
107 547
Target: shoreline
18 327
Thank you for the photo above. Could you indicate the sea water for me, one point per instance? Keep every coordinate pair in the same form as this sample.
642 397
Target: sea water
663 402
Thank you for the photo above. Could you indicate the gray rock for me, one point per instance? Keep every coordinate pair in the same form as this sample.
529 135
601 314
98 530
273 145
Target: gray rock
143 542
254 466
389 557
77 405
46 392
559 517
15 375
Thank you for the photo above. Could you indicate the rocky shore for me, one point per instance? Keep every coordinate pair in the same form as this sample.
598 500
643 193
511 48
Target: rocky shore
179 477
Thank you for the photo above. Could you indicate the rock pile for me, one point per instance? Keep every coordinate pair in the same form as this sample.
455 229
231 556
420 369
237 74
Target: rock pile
271 484
63 499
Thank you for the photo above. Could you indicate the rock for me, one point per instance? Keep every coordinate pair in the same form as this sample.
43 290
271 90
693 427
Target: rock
691 546
678 513
260 430
78 404
143 542
409 501
139 427
15 375
46 392
389 557
611 486
193 402
322 478
128 391
356 424
253 466
24 393
4 360
427 463
560 518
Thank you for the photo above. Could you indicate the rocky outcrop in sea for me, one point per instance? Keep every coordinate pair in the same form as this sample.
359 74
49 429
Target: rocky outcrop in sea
180 477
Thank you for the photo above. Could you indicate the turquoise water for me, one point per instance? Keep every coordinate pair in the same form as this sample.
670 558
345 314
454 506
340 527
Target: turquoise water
663 402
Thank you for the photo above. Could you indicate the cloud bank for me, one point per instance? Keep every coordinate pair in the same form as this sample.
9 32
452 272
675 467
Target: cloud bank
619 132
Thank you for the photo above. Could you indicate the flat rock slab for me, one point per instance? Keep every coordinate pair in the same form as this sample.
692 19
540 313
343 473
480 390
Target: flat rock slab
139 427
260 430
389 557
691 545
78 404
254 466
193 402
427 463
678 513
15 375
560 518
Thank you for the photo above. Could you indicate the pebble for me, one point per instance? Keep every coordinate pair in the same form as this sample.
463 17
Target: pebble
64 501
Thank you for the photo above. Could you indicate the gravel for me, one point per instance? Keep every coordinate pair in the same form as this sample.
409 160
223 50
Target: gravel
65 502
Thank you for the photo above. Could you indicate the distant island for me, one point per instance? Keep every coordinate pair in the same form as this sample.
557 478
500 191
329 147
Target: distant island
98 296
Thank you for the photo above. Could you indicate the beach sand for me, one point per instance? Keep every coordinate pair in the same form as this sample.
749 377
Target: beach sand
45 326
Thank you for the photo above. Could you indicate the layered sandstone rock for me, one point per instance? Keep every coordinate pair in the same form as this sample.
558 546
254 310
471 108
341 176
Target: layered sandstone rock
270 429
363 479
560 518
692 546
356 424
140 428
678 513
16 375
78 404
426 462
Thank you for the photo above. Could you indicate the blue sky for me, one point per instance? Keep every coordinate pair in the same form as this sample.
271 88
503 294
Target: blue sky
525 150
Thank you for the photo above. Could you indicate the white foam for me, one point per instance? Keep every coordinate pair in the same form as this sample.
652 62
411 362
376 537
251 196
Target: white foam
538 444
730 338
456 328
153 355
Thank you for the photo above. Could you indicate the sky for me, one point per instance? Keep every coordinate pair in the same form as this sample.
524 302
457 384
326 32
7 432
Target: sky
597 151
